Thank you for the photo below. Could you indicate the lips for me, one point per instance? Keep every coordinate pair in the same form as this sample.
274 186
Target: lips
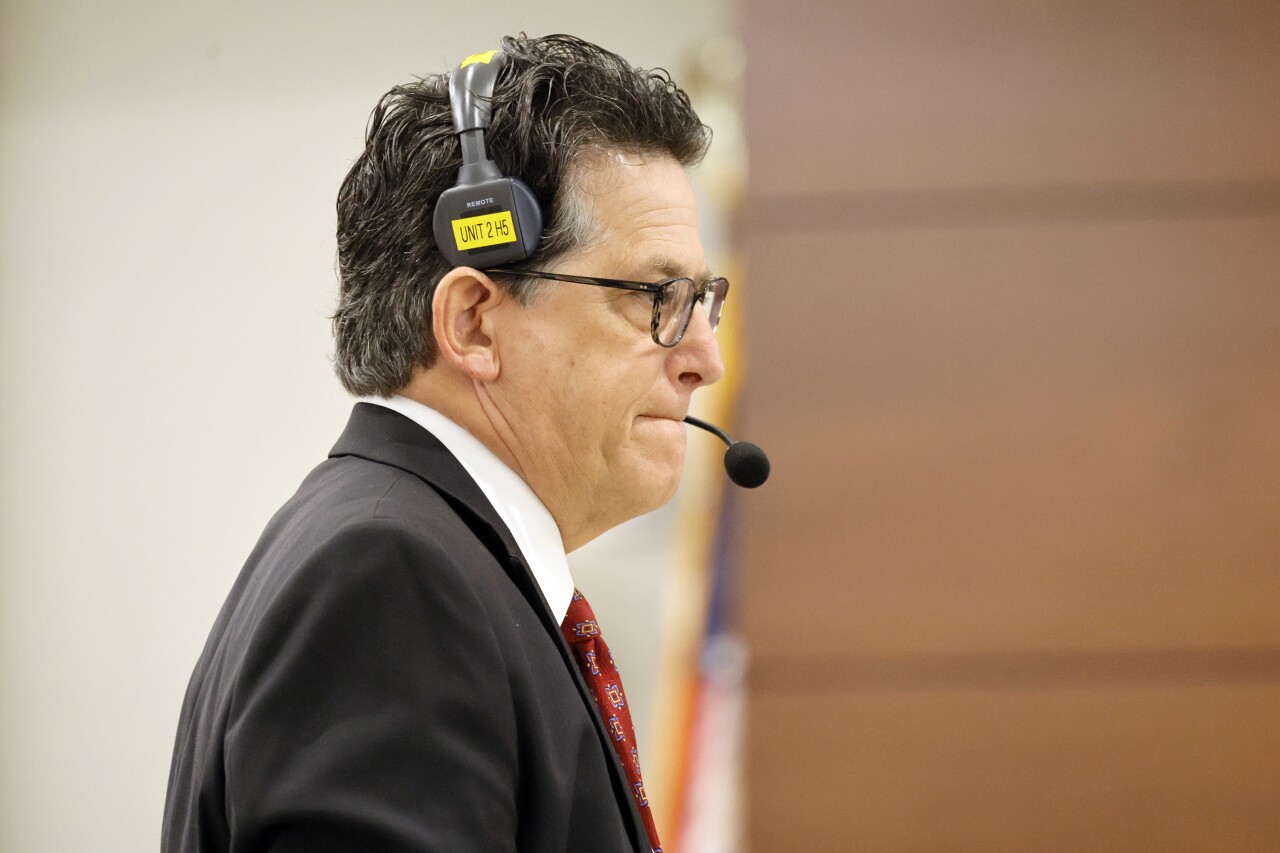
666 414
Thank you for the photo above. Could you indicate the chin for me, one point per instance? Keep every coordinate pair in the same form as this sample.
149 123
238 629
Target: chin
660 482
668 491
648 478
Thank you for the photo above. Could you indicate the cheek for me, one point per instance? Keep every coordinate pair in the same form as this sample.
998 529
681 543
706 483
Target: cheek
596 379
637 311
609 388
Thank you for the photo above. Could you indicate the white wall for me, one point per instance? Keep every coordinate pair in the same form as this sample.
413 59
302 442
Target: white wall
167 179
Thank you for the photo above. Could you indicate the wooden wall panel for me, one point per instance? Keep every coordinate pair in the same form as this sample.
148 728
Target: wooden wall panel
1013 314
1017 439
876 95
1124 770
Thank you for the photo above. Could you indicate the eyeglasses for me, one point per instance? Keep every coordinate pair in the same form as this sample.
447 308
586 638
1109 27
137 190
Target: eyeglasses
673 299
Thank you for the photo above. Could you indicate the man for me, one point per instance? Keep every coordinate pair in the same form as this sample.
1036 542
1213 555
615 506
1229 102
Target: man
390 671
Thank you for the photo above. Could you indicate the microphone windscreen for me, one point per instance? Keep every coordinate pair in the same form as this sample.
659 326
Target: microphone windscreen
746 464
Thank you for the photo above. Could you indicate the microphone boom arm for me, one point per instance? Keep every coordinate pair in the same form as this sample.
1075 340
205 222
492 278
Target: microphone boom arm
701 424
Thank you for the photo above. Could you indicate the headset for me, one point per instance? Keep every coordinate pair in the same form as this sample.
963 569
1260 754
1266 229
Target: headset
486 219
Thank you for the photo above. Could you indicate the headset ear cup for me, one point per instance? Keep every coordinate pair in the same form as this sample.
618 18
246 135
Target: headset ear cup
487 223
529 212
441 230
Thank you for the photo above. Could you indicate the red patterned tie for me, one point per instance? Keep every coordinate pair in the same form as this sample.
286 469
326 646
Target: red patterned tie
595 662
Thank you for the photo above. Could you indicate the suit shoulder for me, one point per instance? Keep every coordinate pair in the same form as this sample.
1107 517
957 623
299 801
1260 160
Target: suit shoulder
347 495
350 505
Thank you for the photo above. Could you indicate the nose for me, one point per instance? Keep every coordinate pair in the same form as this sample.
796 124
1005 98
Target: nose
696 359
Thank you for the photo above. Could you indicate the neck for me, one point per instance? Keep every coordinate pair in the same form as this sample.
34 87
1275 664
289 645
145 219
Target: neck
463 401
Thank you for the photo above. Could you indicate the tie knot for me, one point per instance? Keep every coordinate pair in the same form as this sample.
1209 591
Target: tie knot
580 622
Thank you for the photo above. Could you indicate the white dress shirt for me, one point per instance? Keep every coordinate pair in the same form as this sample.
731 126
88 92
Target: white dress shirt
528 519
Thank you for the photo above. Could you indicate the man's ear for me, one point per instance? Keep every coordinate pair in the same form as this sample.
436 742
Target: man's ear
462 323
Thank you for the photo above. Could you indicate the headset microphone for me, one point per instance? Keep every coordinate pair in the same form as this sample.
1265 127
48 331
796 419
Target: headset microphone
745 462
486 219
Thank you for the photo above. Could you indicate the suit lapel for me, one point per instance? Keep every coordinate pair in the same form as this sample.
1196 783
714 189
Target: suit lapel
381 435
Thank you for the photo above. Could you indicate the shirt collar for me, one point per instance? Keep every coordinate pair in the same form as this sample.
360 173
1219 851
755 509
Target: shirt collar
528 519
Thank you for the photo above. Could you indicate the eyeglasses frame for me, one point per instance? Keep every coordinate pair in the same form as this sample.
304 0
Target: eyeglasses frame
656 288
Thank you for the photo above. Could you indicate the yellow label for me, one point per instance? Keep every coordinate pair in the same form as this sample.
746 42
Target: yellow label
485 57
476 232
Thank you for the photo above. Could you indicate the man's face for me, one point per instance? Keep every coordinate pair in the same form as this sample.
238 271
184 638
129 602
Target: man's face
592 405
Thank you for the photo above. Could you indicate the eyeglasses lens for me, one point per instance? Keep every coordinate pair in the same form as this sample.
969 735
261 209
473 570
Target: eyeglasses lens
713 300
674 308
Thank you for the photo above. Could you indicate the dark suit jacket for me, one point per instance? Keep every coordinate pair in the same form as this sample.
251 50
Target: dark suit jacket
385 675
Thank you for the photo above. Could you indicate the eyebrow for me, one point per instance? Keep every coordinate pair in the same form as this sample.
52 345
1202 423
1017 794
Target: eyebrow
670 269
